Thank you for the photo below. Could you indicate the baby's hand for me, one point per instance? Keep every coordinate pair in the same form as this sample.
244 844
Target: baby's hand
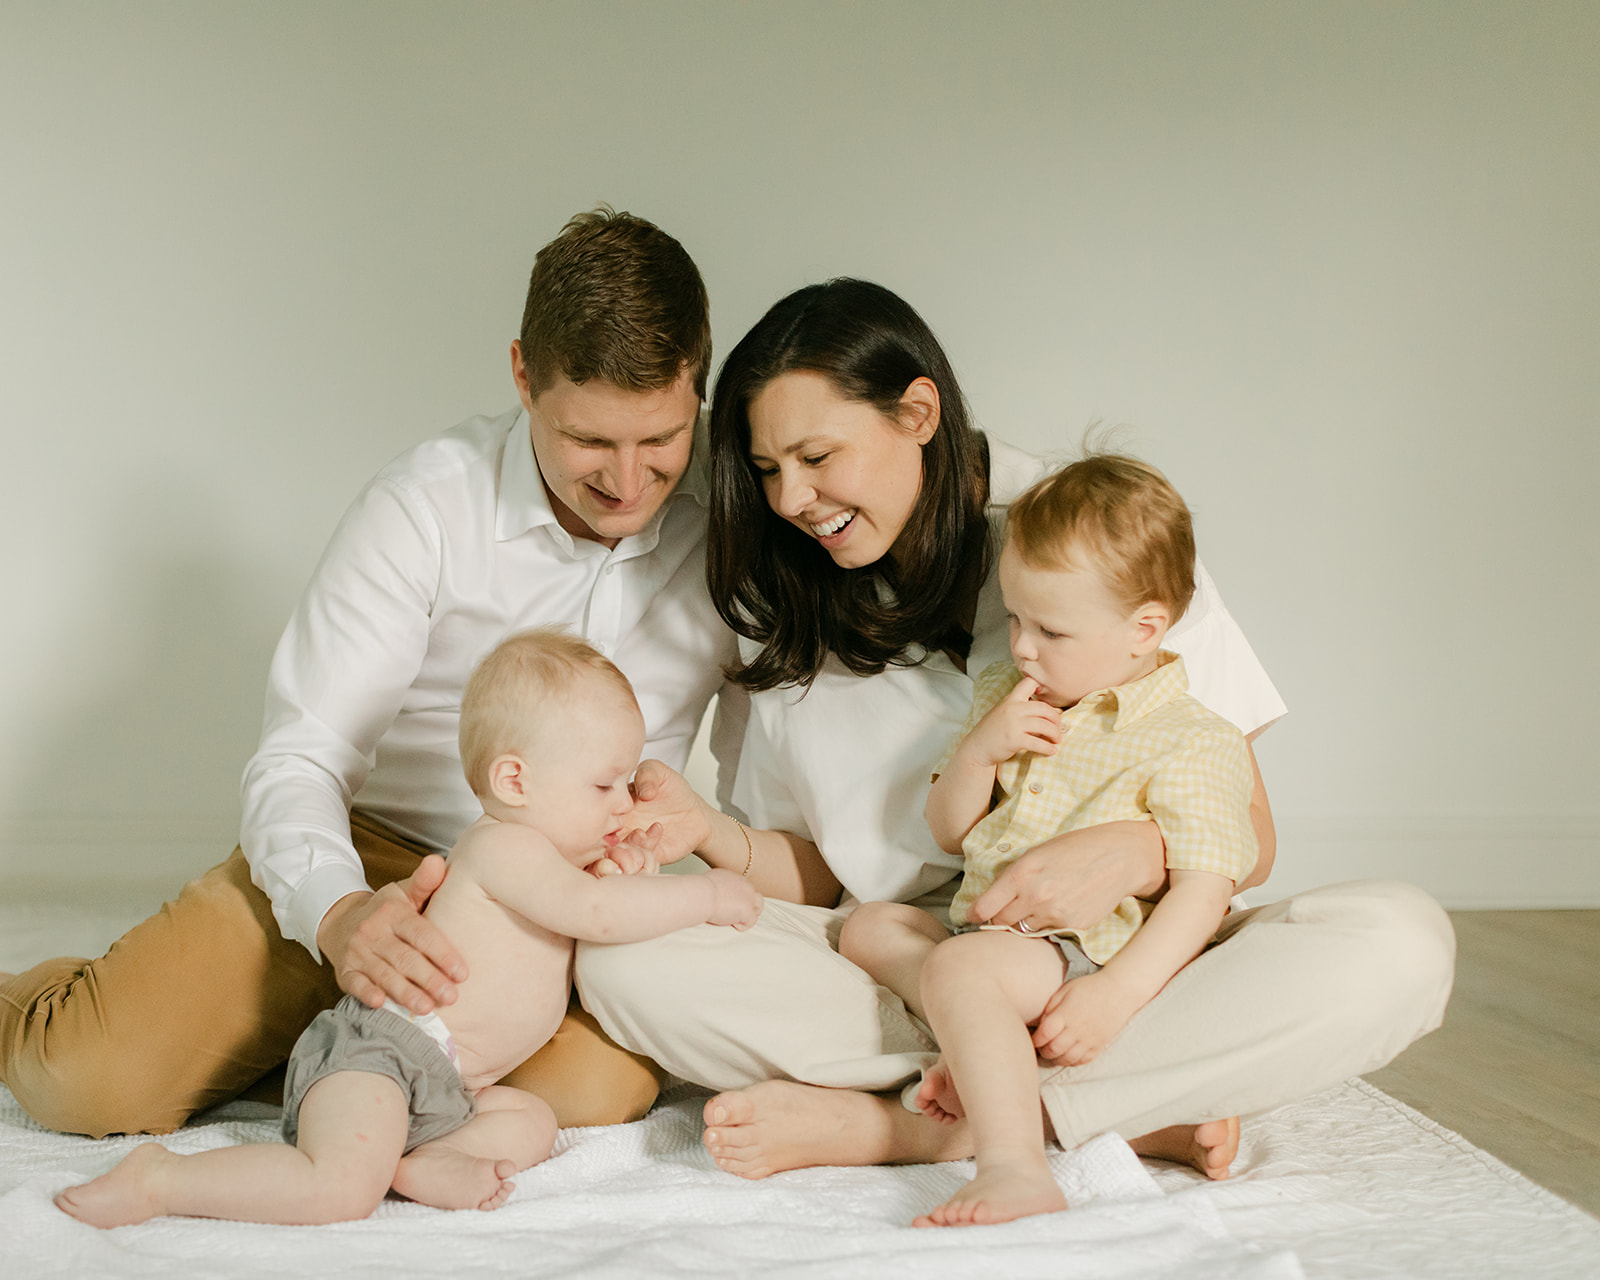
1082 1018
1014 724
733 900
633 854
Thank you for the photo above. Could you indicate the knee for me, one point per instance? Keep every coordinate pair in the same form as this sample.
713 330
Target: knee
1405 939
861 937
957 961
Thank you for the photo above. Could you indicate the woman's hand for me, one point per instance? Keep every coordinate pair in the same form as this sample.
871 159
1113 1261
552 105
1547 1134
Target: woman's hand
662 798
1075 880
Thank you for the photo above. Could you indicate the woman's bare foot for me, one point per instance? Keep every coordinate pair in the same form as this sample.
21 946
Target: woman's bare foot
778 1125
1000 1193
438 1175
937 1097
1210 1147
128 1194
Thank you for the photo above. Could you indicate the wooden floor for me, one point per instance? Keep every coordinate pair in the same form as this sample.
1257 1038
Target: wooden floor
1515 1068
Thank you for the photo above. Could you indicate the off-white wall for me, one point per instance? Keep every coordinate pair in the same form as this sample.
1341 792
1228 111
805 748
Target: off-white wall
1337 265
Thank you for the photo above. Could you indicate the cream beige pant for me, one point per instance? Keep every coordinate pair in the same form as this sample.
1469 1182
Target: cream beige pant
1291 998
196 1004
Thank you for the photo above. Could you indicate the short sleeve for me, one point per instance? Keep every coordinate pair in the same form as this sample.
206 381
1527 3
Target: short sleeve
1200 798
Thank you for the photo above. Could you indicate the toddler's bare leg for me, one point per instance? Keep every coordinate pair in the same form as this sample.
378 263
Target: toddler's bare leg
352 1130
471 1168
982 990
891 940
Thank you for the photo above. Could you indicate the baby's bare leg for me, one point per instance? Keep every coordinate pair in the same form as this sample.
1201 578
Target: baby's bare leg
982 990
471 1168
352 1131
891 941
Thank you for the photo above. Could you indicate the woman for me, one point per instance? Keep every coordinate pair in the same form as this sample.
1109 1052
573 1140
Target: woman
854 521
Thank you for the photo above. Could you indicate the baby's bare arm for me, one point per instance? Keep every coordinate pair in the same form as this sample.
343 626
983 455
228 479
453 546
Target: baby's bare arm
519 868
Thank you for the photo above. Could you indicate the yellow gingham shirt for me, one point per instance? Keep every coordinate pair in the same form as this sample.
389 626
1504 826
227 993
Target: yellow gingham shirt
1143 750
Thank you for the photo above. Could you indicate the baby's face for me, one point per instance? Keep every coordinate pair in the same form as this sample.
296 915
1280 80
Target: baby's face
579 786
1068 632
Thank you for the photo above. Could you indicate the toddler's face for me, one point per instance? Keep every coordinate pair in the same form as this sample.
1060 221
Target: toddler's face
1068 631
579 794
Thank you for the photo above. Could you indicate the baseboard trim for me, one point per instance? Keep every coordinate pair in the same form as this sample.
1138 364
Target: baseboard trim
1470 863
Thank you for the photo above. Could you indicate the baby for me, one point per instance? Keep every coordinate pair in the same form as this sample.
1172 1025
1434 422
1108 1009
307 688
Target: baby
1089 723
381 1098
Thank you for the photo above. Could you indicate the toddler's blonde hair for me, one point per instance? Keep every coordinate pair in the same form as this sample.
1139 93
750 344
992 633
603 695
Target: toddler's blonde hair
1117 516
523 684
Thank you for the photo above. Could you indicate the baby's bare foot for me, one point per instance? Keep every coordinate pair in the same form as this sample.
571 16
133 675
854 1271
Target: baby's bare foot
126 1195
1000 1193
438 1175
1209 1147
937 1096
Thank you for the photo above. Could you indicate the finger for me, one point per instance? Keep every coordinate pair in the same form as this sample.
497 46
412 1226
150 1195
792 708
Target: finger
647 780
995 903
428 954
1023 690
424 882
607 866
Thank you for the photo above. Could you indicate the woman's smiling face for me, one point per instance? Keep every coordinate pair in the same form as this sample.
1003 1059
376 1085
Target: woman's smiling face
839 470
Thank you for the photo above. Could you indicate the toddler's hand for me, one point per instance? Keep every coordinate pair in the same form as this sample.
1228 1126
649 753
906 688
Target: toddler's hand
733 900
1082 1018
1014 724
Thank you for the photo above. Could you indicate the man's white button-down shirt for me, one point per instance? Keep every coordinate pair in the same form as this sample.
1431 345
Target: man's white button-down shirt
448 550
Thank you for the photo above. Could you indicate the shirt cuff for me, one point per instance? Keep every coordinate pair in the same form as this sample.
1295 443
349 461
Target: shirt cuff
301 918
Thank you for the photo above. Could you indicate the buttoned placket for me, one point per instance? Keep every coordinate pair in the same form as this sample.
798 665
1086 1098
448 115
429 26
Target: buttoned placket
1030 781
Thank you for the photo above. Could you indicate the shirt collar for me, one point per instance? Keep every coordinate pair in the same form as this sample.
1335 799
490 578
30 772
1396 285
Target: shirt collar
1138 698
523 503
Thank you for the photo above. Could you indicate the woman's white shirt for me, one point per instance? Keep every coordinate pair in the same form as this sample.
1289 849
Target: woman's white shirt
847 763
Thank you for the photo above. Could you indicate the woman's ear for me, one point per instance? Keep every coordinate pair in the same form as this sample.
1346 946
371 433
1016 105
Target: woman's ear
919 410
508 781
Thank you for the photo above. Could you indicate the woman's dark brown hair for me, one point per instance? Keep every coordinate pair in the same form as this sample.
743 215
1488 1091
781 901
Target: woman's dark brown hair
775 585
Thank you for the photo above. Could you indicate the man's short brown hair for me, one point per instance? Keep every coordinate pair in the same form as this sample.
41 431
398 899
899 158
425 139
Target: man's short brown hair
616 298
1117 516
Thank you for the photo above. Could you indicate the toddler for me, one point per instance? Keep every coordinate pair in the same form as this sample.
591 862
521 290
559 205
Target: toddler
1088 723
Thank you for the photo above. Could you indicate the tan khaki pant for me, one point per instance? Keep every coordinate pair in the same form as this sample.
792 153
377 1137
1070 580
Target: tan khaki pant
193 1006
1293 997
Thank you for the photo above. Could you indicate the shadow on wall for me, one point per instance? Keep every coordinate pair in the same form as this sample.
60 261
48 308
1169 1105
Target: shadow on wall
133 775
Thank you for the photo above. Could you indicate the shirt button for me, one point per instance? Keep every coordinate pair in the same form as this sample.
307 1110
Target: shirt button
611 568
1004 846
599 646
1033 787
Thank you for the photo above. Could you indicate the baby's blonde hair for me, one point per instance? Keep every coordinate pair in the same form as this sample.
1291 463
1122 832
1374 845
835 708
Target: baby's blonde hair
518 688
1118 516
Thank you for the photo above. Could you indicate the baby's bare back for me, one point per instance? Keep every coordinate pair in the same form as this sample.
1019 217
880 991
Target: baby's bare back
520 975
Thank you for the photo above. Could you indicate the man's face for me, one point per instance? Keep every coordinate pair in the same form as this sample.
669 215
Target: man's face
609 457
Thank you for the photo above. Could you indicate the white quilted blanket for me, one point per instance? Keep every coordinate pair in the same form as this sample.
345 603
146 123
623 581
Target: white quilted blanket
1348 1184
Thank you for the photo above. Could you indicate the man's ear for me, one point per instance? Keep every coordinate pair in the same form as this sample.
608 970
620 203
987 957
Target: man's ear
1150 623
919 410
519 374
508 781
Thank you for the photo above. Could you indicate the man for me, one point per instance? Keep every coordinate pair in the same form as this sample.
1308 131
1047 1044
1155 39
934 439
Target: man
586 509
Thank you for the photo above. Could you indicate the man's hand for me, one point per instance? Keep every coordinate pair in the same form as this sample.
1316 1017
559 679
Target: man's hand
1072 881
1082 1018
379 945
662 798
1013 725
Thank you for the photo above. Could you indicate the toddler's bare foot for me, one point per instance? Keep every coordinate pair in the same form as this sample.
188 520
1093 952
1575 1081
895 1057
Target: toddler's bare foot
1209 1147
937 1097
1000 1193
122 1197
438 1175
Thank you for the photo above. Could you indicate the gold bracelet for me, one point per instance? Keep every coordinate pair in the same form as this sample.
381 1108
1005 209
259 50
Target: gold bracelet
749 849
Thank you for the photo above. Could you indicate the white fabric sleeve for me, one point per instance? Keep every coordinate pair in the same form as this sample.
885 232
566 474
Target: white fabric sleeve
351 651
1224 672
